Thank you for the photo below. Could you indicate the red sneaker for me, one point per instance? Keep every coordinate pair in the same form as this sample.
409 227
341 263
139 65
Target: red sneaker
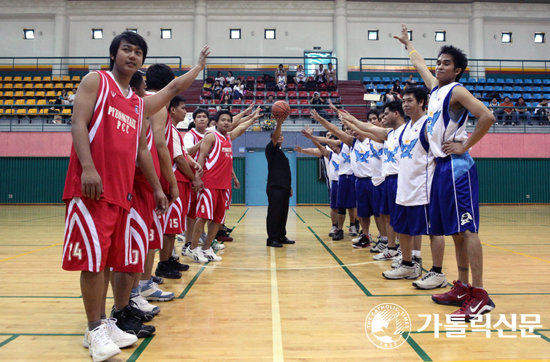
477 304
224 238
456 296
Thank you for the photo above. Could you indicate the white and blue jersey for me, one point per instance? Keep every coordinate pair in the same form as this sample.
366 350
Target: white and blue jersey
360 158
376 160
454 198
332 166
362 168
345 160
390 165
346 180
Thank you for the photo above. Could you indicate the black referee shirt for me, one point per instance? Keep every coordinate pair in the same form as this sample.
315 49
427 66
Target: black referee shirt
278 167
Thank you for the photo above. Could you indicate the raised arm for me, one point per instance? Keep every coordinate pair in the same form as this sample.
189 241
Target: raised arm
158 125
416 59
308 151
155 102
243 126
193 149
307 132
377 134
343 136
241 117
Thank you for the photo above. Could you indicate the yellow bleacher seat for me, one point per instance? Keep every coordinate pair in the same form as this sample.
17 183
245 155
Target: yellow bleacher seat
8 102
66 78
29 94
8 94
39 86
48 85
58 93
41 102
1 86
21 111
17 79
40 94
37 79
31 102
1 102
20 102
58 86
1 94
1 111
18 86
27 79
75 78
8 111
67 112
19 94
8 79
28 86
1 79
50 94
8 86
77 85
69 86
57 79
32 112
47 79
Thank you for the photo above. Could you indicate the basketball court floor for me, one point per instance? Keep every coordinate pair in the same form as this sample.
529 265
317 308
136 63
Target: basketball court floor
303 302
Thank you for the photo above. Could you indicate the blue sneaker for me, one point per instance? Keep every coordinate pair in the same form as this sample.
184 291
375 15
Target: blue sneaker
158 280
151 292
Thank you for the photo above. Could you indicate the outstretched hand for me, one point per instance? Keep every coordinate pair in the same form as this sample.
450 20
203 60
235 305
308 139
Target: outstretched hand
307 132
404 37
205 52
297 148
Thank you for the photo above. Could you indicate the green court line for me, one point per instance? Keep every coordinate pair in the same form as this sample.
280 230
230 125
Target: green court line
298 215
188 287
429 295
353 277
42 218
43 334
419 351
39 296
241 217
25 245
542 335
140 349
322 213
2 344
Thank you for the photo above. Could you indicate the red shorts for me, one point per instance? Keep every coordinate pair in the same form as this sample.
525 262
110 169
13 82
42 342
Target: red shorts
95 236
192 214
155 233
174 219
212 204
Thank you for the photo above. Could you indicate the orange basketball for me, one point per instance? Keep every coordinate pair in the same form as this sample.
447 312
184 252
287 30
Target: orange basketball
280 109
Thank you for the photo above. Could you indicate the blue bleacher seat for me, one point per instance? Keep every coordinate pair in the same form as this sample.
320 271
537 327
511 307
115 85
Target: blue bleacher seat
537 96
486 103
369 87
366 80
386 80
546 89
509 81
508 89
499 88
517 88
379 104
546 95
527 96
416 79
472 81
380 86
509 95
528 89
528 81
470 88
481 80
395 78
479 88
516 96
537 81
376 79
491 81
537 89
546 81
519 81
489 88
500 80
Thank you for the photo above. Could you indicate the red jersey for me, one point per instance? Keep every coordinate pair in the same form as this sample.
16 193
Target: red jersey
140 177
180 177
192 138
218 165
114 133
170 144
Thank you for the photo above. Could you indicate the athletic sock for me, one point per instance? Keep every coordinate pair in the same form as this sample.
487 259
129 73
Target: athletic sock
392 248
143 283
93 325
466 285
416 253
357 224
384 239
335 225
134 292
103 316
407 263
437 269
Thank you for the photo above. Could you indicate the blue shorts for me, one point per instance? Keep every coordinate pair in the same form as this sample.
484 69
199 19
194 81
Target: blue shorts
411 220
346 192
333 194
364 190
454 198
389 194
377 200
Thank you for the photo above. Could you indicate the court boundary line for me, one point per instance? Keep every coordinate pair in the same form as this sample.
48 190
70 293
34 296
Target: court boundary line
516 252
139 350
276 330
30 252
8 340
299 217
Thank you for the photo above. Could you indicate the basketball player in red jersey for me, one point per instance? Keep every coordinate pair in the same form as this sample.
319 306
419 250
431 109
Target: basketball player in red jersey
108 139
216 158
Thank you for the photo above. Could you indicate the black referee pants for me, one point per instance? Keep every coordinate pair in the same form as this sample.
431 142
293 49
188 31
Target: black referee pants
277 213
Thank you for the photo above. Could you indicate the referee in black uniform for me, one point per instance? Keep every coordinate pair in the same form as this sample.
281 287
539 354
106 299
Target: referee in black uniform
278 189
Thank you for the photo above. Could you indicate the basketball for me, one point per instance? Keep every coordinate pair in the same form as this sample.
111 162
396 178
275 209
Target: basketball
280 109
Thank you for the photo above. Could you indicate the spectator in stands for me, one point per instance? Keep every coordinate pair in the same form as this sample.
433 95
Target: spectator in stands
230 79
220 79
496 111
280 72
70 97
226 102
269 103
396 89
217 90
411 80
238 89
320 75
330 75
64 97
542 113
227 89
300 75
317 100
507 112
281 81
522 112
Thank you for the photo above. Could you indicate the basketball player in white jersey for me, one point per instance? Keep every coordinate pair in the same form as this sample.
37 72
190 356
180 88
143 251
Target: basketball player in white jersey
454 204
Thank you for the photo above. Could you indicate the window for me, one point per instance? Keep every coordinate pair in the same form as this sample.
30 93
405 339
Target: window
28 34
132 30
440 36
410 35
506 37
372 35
539 38
166 33
234 33
270 33
97 33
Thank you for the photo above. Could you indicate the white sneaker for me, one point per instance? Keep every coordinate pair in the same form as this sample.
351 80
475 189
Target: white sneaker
354 240
210 255
180 238
118 336
196 254
387 254
333 229
175 253
403 272
100 345
151 292
202 239
217 246
397 260
431 280
143 305
353 230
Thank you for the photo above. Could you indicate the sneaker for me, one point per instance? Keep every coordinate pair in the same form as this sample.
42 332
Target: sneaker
333 229
217 246
121 338
478 303
126 322
226 229
431 280
202 239
177 265
210 255
137 313
184 247
362 243
151 292
175 253
354 240
142 304
417 260
196 254
100 345
352 230
158 280
387 254
180 238
338 235
397 260
379 247
222 236
403 272
456 296
166 270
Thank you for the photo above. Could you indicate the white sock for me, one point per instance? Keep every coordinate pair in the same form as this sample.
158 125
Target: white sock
416 253
384 238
